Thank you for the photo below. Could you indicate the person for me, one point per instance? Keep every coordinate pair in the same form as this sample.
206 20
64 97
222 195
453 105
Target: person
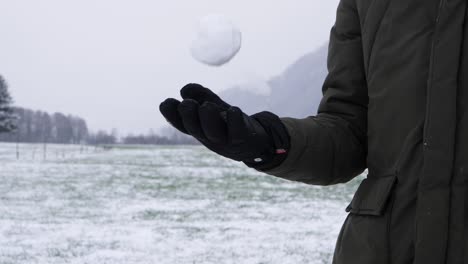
395 102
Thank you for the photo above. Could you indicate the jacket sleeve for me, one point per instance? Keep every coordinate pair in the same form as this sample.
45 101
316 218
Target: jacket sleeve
331 147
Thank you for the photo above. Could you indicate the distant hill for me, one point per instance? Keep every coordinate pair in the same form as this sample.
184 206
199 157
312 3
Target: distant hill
295 93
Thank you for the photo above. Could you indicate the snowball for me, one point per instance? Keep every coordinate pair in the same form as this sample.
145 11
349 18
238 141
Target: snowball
217 41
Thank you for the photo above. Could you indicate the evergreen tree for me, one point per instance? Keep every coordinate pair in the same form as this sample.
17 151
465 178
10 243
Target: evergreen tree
8 118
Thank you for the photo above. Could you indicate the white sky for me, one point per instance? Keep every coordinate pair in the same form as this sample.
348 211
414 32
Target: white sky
113 61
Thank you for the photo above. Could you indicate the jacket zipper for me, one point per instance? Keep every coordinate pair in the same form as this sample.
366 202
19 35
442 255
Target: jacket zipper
429 79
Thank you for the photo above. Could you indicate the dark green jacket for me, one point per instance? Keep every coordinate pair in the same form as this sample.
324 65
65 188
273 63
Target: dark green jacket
395 102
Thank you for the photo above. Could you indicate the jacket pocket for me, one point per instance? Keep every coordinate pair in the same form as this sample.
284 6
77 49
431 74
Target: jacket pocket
372 196
364 237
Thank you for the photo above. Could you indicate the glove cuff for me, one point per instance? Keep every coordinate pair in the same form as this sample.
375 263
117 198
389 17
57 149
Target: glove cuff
275 128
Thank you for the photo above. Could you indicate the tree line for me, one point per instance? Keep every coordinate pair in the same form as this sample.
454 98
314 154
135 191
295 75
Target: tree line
58 128
168 137
18 124
41 127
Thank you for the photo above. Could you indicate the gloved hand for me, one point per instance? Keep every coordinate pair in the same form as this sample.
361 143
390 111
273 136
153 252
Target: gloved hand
260 141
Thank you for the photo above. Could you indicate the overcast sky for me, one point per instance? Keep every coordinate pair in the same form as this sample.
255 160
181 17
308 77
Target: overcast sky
113 61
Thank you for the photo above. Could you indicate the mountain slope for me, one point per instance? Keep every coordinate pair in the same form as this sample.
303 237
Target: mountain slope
295 93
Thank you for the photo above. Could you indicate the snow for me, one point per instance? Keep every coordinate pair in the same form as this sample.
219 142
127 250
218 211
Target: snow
160 205
217 40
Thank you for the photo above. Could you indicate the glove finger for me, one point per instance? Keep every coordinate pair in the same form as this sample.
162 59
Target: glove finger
188 111
212 122
168 109
237 128
201 95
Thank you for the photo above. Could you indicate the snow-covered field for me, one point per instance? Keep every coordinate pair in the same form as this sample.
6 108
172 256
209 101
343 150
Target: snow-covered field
159 205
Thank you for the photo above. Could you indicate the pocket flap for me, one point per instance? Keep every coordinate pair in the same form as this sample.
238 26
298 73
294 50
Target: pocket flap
372 196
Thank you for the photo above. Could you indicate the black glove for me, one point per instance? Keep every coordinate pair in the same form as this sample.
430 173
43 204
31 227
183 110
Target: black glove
260 141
